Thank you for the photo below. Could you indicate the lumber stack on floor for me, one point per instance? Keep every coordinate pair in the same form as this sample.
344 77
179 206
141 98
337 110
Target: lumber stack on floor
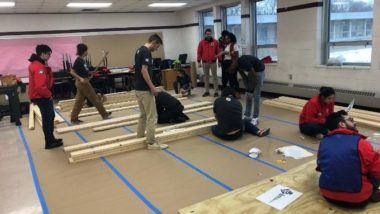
362 117
138 143
31 117
243 200
38 116
118 120
133 135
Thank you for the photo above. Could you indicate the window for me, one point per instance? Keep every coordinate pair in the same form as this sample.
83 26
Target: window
207 21
233 21
266 29
350 31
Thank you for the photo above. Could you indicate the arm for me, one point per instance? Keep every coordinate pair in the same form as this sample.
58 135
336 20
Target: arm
145 74
41 83
370 159
199 52
217 52
76 76
311 112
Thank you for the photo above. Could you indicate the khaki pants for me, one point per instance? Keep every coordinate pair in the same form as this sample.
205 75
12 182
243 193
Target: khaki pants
206 71
85 90
148 115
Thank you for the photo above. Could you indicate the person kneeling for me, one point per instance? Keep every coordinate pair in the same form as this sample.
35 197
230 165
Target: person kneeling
169 109
228 112
349 166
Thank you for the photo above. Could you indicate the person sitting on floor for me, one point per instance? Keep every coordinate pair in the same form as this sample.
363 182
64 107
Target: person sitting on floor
228 112
349 166
315 111
169 109
183 80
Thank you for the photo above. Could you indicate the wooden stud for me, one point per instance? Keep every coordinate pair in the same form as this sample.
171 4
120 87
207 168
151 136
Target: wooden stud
138 143
133 135
31 117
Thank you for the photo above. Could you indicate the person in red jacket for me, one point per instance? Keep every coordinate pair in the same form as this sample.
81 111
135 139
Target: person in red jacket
315 112
207 54
40 84
349 166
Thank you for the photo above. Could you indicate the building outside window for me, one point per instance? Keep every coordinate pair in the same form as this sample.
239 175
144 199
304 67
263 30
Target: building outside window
233 21
207 22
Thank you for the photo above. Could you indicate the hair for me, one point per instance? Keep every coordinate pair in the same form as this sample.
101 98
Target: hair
228 91
225 33
208 30
81 48
155 38
42 48
326 91
333 120
232 37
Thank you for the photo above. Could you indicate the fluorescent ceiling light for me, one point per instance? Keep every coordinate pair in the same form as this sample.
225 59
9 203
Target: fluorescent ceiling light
167 4
88 5
7 4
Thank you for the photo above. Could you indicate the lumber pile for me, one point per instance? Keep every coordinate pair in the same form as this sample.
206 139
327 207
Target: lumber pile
139 143
120 119
37 115
31 117
362 117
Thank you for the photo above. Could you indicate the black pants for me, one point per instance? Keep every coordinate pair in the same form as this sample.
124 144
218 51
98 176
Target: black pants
229 77
170 114
184 87
47 112
313 129
247 127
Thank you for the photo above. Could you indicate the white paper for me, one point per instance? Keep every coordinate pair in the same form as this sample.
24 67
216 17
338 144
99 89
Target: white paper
295 152
279 196
350 106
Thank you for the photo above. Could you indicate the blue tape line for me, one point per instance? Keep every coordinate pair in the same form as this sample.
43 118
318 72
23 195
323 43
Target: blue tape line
242 153
280 120
225 186
118 174
36 182
289 142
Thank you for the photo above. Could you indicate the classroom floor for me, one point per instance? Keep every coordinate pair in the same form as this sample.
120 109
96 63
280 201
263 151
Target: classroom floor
35 180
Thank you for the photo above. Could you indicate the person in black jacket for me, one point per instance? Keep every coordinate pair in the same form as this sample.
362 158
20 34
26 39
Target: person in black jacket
183 80
228 112
169 109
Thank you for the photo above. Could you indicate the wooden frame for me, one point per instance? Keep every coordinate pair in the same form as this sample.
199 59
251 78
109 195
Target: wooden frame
133 135
31 125
138 143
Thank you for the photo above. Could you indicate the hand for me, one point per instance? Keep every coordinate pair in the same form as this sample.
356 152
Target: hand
219 64
154 91
82 80
199 65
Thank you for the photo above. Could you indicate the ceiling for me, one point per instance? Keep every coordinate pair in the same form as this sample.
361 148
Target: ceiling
59 6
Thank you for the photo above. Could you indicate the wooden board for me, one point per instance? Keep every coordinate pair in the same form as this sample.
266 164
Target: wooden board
243 200
138 143
31 117
133 135
128 123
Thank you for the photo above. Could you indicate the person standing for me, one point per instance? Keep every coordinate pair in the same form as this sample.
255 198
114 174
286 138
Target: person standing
40 84
253 81
231 54
146 92
84 89
207 55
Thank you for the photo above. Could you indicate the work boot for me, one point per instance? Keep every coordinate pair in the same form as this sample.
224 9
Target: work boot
108 116
53 145
216 94
206 94
76 122
157 146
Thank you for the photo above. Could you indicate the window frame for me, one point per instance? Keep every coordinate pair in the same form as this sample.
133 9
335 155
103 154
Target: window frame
255 45
201 22
328 43
224 15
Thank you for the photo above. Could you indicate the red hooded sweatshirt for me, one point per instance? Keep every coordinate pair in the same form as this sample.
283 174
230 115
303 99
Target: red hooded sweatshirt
315 111
207 51
40 78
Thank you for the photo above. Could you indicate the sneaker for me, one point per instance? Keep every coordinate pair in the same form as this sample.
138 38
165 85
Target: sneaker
108 116
76 122
375 196
59 140
157 146
255 121
206 94
54 145
263 132
216 94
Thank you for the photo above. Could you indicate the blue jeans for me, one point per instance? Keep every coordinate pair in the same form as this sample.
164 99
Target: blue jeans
258 83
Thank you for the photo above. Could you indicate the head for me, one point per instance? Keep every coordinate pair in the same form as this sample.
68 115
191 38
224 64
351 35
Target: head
208 34
230 37
340 119
43 51
180 72
229 92
82 49
154 42
224 34
327 95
